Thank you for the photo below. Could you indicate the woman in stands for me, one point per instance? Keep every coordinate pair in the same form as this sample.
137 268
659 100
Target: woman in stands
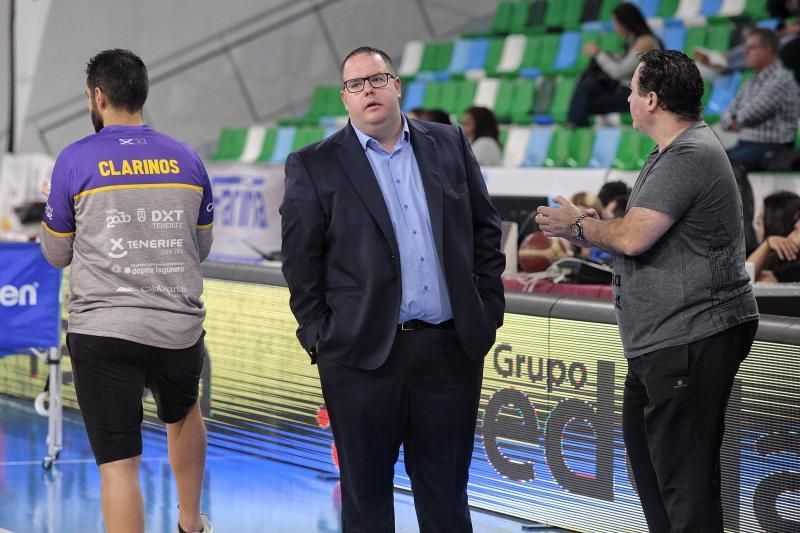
604 87
480 127
776 258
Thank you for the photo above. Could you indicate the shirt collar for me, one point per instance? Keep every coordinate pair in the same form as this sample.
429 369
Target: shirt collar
369 142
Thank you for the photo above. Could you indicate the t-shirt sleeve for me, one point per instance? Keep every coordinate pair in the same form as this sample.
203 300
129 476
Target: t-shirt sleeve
673 184
59 213
206 215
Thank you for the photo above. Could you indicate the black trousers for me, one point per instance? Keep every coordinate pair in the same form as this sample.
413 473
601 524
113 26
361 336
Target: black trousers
673 419
424 397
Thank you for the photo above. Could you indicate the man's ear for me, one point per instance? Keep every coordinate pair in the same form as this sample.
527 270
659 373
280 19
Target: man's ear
100 100
652 100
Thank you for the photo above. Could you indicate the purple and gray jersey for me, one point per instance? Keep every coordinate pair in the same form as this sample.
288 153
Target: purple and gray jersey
131 210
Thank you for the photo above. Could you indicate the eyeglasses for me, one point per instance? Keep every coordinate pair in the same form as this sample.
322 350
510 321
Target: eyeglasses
356 85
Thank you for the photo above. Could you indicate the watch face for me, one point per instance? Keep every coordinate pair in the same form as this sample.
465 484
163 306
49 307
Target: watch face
576 230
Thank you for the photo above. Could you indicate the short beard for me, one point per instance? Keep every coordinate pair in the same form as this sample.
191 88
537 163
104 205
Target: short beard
97 119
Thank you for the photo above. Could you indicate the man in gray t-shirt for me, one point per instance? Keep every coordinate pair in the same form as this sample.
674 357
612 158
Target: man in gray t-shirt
686 313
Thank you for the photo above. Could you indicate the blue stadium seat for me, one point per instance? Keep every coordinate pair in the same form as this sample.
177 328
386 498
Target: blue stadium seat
568 51
460 58
538 146
606 143
710 7
415 95
723 93
283 144
478 53
649 8
674 35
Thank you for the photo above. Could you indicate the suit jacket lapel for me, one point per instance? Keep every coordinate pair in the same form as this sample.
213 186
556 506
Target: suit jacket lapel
358 170
425 150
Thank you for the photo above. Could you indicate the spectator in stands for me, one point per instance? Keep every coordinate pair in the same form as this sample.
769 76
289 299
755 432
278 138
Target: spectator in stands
480 127
767 107
688 319
609 192
776 258
435 115
415 113
604 86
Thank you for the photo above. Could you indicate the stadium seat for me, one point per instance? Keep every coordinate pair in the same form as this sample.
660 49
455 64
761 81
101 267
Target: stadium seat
591 10
306 136
580 149
558 151
605 147
230 144
459 61
710 8
283 144
646 145
568 51
493 55
757 9
562 98
695 37
606 9
668 8
253 144
414 95
627 157
504 95
723 92
674 35
731 8
688 9
649 8
268 146
522 101
718 36
502 18
436 56
572 14
513 50
537 147
515 146
465 95
486 94
411 60
543 100
520 13
477 55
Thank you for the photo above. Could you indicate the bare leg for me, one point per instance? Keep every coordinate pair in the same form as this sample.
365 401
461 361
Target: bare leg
121 496
187 455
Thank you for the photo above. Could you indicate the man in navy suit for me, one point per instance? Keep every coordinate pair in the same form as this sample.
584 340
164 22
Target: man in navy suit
391 251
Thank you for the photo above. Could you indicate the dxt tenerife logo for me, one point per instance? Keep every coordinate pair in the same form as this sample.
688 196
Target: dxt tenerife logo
22 296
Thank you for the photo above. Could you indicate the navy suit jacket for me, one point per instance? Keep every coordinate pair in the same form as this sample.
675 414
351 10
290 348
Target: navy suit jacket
340 255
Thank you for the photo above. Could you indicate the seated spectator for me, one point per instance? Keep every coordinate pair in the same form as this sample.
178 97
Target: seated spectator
603 88
609 192
776 258
480 127
435 115
766 109
415 113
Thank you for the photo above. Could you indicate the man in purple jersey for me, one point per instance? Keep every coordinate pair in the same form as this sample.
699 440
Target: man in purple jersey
130 210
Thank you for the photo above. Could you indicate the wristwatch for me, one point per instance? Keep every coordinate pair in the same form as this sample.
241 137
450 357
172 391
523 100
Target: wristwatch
576 229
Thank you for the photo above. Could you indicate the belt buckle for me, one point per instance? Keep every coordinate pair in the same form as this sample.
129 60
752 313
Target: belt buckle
404 328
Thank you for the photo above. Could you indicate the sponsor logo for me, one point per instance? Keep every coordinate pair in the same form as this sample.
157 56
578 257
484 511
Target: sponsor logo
172 219
116 244
210 207
154 268
48 211
116 218
164 289
116 269
132 142
141 215
22 296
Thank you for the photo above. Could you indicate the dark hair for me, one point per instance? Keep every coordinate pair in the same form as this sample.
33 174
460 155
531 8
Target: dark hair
768 38
435 115
611 190
622 204
122 76
781 212
485 122
368 50
675 80
630 18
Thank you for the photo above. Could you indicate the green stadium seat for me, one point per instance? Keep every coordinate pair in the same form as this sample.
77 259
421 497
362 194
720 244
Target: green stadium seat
268 146
563 97
572 14
718 36
502 106
668 8
493 55
522 101
436 56
230 144
646 145
607 8
695 37
627 157
520 13
502 18
559 150
545 91
465 96
757 9
554 15
433 95
611 42
581 146
306 136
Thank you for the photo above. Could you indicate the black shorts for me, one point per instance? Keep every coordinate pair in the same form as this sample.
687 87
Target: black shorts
110 376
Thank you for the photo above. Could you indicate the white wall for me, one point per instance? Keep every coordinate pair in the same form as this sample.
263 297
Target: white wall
213 63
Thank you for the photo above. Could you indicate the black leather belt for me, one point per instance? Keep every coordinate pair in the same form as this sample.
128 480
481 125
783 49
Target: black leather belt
415 325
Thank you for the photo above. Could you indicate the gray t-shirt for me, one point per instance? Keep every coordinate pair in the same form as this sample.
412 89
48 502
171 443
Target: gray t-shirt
692 283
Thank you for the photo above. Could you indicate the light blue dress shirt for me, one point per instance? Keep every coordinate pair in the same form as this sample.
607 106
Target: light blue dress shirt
425 295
